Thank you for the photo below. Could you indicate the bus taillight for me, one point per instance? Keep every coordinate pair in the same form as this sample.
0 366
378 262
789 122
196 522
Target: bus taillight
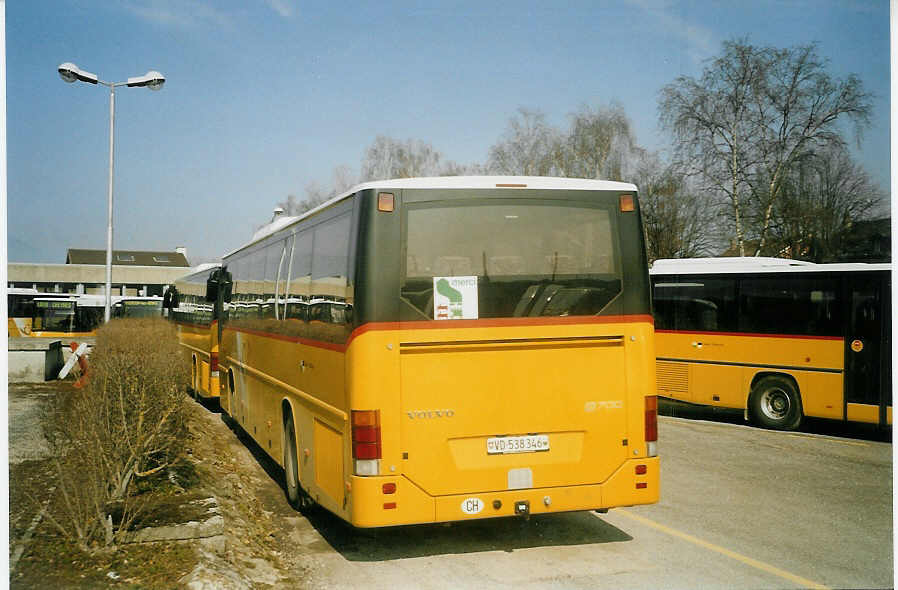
366 441
213 363
651 424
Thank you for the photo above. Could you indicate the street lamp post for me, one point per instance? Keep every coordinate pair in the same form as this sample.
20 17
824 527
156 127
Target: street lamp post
153 80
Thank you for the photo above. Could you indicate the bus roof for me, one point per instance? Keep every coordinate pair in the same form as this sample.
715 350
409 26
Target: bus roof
35 292
750 265
199 269
450 182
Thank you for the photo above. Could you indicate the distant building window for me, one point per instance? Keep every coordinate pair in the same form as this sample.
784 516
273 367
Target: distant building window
161 259
124 257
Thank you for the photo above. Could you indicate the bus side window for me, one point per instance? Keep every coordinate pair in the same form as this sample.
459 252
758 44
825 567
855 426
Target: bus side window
273 254
330 262
300 271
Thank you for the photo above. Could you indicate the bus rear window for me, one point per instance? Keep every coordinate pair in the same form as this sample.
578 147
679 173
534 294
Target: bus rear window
509 259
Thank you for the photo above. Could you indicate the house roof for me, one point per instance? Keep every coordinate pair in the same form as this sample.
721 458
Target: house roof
126 258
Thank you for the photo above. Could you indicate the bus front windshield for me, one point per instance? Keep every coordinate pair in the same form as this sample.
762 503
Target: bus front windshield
54 316
499 259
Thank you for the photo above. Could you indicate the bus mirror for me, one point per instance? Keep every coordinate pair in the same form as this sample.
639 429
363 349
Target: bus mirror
226 284
219 280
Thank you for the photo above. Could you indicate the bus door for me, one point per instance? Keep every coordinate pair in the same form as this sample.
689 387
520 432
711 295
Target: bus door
868 396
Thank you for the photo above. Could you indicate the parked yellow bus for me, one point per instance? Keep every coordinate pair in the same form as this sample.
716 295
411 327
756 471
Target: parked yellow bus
138 307
20 309
443 349
66 317
198 326
779 339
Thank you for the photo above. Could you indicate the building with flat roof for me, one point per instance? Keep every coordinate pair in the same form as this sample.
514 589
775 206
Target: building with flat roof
133 272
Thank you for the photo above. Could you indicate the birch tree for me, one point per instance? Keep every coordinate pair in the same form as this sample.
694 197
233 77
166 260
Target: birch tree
601 143
389 158
674 215
754 114
528 147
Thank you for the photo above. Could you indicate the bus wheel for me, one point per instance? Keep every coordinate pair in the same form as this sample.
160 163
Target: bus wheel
296 496
775 403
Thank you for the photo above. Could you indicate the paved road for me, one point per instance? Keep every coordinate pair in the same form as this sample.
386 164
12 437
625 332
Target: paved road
741 508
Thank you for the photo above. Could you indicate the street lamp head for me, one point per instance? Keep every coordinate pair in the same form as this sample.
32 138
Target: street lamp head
69 72
152 80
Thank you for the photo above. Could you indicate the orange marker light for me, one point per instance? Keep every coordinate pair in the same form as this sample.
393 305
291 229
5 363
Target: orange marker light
385 202
627 203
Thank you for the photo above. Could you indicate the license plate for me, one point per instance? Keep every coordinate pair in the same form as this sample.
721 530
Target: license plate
530 443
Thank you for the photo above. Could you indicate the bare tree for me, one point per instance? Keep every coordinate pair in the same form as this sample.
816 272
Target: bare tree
755 113
803 104
600 143
528 147
389 158
674 217
343 179
711 122
821 198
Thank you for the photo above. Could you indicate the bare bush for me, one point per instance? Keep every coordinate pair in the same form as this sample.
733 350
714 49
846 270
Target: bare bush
129 422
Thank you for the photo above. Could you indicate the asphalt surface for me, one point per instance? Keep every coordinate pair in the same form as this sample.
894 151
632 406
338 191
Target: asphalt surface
741 507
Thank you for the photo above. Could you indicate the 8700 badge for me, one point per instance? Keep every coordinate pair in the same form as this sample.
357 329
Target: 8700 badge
530 443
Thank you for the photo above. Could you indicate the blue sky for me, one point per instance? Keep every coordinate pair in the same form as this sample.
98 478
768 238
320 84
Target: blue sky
265 96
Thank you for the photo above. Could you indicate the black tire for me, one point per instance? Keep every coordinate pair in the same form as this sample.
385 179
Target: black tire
775 403
296 496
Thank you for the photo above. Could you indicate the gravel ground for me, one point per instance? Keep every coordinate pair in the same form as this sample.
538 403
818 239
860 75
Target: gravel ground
25 405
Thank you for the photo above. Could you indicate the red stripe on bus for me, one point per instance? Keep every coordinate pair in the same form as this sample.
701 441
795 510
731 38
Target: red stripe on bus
752 335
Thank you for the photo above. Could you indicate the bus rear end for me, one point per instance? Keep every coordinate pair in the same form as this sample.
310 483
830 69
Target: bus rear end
519 376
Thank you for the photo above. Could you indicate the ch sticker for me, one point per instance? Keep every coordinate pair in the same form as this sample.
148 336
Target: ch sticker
471 505
857 345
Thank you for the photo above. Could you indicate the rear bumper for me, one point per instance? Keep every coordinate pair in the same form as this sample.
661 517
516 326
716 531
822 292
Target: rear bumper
409 504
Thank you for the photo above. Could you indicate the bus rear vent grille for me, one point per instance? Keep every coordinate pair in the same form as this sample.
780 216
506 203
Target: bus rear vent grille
672 377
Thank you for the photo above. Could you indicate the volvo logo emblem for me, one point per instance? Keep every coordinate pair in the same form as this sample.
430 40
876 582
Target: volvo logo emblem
425 414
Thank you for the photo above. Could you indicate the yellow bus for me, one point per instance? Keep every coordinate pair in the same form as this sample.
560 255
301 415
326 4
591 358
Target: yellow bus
779 339
198 329
20 309
66 317
138 307
443 349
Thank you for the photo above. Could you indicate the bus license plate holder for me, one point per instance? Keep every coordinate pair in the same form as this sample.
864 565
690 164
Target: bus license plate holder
528 443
